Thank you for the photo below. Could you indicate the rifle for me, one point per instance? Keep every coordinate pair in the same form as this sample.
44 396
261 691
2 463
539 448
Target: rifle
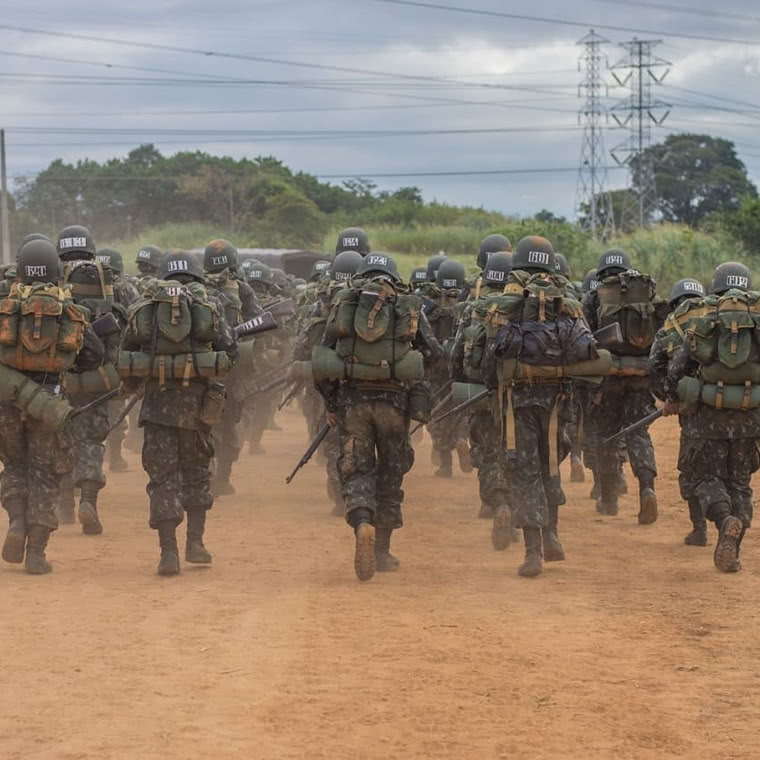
436 409
309 453
643 422
285 307
464 406
292 393
264 322
106 397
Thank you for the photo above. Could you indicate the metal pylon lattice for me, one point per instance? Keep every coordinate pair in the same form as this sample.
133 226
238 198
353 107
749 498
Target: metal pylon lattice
593 202
637 113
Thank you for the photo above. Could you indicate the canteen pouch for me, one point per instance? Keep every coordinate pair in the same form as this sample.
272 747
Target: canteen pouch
212 406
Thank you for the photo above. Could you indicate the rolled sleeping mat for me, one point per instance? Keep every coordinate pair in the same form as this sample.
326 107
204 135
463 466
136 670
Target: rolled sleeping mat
209 364
327 365
691 390
51 410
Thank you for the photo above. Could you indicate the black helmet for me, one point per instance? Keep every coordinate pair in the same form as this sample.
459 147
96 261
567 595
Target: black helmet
450 275
320 267
379 263
280 278
256 272
492 244
149 259
534 254
37 262
178 263
685 289
611 262
418 277
353 239
433 265
220 255
731 274
346 265
589 281
498 266
561 265
31 236
110 257
75 239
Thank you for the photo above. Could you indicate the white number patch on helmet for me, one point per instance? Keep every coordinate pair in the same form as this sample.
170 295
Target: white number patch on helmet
39 270
494 275
179 265
218 260
694 286
381 260
614 259
72 242
143 255
350 242
737 281
538 257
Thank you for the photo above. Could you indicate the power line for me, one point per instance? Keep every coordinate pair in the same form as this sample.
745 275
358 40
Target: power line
566 22
682 9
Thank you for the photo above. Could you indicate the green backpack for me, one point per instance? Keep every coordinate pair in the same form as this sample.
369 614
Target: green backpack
41 328
181 317
229 290
629 299
724 337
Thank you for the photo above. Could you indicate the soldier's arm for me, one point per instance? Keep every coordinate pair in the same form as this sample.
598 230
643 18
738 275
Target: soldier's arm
225 339
250 304
426 342
659 359
681 365
92 354
590 304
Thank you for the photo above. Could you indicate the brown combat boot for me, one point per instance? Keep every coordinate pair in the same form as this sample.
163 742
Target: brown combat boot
364 551
88 509
501 530
385 562
726 556
15 540
195 552
532 565
167 539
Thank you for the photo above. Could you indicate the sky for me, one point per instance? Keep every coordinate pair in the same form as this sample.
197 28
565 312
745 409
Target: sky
335 87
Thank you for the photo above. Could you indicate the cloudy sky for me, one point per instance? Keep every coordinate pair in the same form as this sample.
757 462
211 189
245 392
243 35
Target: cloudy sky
334 87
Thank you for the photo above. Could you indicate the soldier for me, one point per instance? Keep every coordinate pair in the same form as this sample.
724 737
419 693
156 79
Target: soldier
220 261
91 286
343 268
417 278
491 244
176 325
486 452
628 297
711 383
353 239
535 324
433 265
440 306
388 339
148 263
33 454
667 341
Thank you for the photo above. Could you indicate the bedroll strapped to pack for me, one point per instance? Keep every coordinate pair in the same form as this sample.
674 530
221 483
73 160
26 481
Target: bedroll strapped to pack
629 366
719 395
205 364
48 408
41 328
98 380
629 298
184 317
327 364
591 371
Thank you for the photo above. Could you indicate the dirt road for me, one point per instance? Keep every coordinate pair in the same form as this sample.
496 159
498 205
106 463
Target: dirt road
633 648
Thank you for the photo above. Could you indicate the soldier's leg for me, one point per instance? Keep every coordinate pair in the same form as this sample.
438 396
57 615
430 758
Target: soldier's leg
530 508
227 447
133 441
43 455
698 535
609 416
555 496
160 458
88 432
13 481
196 448
331 448
743 462
395 457
114 442
638 404
486 452
357 466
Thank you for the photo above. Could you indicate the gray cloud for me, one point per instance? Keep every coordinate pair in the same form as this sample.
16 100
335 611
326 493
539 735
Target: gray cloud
537 62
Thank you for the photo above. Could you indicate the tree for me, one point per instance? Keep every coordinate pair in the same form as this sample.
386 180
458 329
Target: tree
696 175
744 223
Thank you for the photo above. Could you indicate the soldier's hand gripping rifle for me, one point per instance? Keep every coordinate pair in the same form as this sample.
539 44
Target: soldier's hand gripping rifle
309 453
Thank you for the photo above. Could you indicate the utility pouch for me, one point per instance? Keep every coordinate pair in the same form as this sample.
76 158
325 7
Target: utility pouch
212 406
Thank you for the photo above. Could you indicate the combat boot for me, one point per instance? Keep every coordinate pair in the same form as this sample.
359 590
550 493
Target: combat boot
364 549
65 509
445 468
608 497
501 530
15 540
553 549
647 500
36 543
577 470
221 485
385 562
195 552
463 454
532 565
726 556
167 539
88 509
698 535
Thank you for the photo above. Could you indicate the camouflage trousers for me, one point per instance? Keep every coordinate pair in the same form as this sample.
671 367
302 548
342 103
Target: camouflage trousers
177 462
447 433
375 454
623 401
535 489
226 432
488 458
720 470
88 433
34 459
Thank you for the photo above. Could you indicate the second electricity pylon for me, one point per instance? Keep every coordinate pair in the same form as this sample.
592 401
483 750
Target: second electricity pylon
637 112
592 199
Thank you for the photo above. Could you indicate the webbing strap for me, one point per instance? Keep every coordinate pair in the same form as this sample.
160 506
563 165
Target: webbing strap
553 435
